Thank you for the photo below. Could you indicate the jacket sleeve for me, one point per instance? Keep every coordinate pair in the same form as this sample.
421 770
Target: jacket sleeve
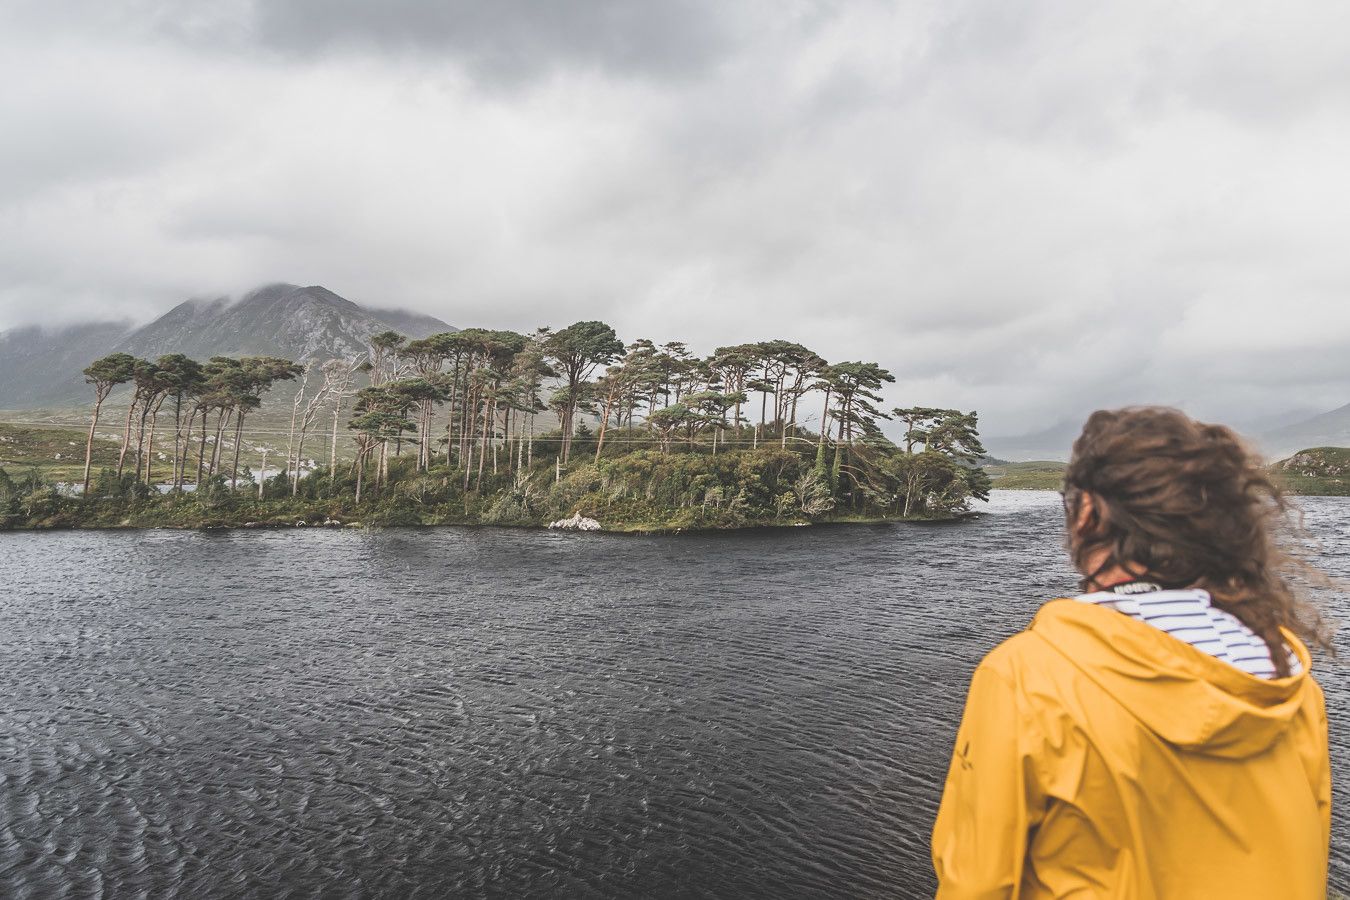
990 801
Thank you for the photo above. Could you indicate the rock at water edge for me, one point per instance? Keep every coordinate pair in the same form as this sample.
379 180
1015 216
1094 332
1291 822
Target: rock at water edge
578 522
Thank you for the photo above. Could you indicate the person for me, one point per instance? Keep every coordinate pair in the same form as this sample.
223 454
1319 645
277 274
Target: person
1160 736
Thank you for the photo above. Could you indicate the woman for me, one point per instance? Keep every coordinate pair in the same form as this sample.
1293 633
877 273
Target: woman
1160 736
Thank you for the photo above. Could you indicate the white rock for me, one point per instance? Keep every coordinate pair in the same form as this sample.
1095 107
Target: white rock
578 522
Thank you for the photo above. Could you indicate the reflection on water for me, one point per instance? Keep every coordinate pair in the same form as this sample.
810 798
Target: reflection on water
461 712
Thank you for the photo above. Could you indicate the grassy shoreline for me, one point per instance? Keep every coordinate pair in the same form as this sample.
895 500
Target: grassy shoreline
631 488
134 522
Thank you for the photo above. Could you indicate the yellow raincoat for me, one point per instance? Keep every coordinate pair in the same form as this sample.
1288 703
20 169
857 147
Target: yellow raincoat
1100 757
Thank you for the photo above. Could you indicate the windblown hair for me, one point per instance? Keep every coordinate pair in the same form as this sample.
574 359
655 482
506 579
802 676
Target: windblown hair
1186 504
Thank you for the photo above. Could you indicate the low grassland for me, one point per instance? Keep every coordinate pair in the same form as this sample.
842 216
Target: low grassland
1038 475
56 454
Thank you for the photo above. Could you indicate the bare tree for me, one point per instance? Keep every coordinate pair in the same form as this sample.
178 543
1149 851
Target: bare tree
311 413
338 375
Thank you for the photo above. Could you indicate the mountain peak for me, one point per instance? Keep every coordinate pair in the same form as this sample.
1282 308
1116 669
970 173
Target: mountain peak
293 296
280 319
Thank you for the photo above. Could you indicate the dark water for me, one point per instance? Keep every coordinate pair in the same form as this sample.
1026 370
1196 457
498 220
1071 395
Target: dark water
501 713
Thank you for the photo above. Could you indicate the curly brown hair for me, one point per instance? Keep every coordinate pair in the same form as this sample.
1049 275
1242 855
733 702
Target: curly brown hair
1187 504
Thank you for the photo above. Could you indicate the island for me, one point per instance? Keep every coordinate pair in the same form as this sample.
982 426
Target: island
572 428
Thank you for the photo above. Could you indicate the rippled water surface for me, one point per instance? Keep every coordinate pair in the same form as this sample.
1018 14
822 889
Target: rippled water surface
466 712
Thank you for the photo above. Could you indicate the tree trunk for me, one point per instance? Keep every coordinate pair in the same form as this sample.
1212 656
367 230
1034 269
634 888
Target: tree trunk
238 440
825 418
290 436
225 415
360 470
126 438
496 442
262 474
466 418
426 435
482 446
201 454
99 397
299 455
332 447
177 437
140 437
150 443
566 423
763 410
740 389
180 470
604 423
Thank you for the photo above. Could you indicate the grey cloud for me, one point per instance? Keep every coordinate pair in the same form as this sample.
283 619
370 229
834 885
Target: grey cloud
512 40
1030 207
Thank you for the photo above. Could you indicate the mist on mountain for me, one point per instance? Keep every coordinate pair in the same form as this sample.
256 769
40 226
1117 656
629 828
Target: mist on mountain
41 368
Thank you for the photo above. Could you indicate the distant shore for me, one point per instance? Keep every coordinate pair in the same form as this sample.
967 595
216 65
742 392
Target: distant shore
1316 472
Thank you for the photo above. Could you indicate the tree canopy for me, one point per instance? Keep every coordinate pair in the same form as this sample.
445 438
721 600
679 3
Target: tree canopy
494 415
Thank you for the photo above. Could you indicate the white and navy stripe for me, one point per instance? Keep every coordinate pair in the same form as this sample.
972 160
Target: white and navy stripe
1189 616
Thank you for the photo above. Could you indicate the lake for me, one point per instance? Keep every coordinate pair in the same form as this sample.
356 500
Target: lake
464 712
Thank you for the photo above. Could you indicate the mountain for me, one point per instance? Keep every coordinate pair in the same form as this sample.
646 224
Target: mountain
1271 434
40 368
1053 443
45 365
1328 429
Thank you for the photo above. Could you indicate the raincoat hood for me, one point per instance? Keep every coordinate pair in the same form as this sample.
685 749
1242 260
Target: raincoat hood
1185 696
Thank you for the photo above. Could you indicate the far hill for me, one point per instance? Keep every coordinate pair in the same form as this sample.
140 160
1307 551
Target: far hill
1053 443
1319 471
41 368
1323 431
1033 475
1322 471
1276 435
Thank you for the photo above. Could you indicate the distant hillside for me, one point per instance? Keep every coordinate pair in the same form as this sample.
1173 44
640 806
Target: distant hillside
1270 432
41 368
1035 475
1321 471
1327 430
1053 443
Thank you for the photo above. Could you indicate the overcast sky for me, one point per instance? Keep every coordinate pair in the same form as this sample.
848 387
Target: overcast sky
1028 208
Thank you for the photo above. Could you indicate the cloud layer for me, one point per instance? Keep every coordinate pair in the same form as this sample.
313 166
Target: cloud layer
1029 208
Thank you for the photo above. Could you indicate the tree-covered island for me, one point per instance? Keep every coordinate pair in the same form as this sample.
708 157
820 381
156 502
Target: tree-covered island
500 428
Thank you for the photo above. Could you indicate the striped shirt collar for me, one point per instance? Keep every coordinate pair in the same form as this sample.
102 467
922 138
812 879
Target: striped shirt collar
1189 616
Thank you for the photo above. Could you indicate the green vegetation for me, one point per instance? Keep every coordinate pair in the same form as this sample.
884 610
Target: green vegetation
50 454
444 432
1319 471
1038 475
